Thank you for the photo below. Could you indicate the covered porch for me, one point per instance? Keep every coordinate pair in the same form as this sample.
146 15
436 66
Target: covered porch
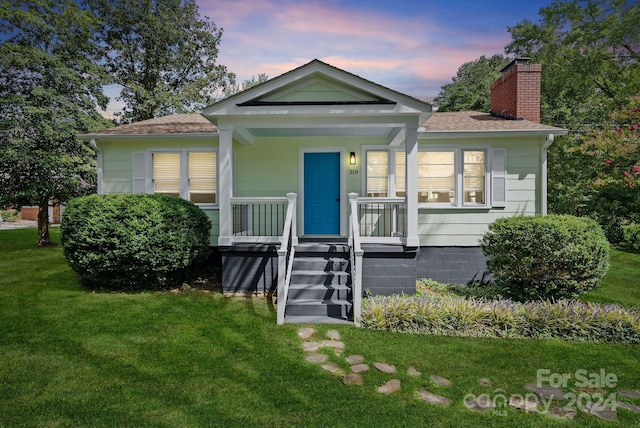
292 167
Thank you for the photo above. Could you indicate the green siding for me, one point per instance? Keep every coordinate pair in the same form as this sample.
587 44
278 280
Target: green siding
270 168
322 92
465 227
117 166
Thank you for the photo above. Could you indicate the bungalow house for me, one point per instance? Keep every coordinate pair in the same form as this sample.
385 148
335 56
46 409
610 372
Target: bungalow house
323 186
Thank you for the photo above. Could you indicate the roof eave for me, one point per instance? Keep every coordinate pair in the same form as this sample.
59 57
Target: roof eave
191 137
490 133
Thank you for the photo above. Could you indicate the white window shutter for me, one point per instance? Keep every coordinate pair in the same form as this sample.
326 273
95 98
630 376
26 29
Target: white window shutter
139 173
499 178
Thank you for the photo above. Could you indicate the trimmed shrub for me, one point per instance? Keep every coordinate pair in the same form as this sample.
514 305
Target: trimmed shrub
546 257
448 315
10 215
631 237
134 242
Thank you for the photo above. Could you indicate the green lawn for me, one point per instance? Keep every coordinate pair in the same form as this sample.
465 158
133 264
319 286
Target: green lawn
621 284
69 357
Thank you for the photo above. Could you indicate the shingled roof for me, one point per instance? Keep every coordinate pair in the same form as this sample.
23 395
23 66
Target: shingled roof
461 121
165 125
473 121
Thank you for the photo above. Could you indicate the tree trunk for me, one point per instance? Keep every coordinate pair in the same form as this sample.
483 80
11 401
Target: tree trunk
43 224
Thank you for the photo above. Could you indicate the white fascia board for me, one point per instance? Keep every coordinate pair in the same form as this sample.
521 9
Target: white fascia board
492 133
318 121
316 110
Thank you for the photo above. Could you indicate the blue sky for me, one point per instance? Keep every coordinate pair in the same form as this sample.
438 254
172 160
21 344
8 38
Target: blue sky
411 46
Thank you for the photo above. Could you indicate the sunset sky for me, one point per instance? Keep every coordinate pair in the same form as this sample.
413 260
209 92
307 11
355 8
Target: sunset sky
411 46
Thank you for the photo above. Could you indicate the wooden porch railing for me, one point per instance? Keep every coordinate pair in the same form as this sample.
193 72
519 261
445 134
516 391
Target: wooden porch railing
259 220
382 220
286 253
356 255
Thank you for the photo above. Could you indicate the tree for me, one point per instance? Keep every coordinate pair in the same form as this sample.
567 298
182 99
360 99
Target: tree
163 54
249 83
590 55
470 88
50 86
609 159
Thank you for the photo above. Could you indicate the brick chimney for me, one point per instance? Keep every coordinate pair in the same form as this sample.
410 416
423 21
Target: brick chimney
516 94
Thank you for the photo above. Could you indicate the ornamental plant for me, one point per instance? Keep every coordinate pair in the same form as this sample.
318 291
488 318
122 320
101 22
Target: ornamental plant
545 257
134 242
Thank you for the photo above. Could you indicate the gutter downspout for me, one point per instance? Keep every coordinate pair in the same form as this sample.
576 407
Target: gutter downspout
94 146
543 173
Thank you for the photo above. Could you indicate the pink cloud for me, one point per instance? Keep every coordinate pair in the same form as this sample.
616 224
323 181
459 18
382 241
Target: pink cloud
408 53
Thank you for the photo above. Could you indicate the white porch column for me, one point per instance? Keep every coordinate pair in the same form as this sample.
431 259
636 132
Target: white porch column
411 144
225 185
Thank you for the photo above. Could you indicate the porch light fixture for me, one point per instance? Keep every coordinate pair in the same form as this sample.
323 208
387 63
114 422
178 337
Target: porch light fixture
352 158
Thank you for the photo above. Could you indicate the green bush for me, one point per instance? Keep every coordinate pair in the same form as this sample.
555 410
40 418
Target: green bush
550 257
134 242
10 215
630 237
449 315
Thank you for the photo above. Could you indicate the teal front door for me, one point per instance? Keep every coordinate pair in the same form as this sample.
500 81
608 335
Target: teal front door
322 193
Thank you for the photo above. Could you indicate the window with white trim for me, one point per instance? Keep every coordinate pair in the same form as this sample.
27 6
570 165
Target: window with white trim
377 174
447 177
191 175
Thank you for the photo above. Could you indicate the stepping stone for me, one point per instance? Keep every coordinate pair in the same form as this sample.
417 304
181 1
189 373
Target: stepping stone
385 368
355 359
431 398
316 358
352 379
336 344
600 411
311 346
439 380
484 381
481 403
306 332
412 371
332 368
547 392
562 413
390 387
519 402
630 407
629 393
333 335
359 368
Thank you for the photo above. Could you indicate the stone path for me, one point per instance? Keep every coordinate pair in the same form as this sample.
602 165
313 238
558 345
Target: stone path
540 399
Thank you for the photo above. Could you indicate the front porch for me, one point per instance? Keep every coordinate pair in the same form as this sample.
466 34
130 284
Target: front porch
318 279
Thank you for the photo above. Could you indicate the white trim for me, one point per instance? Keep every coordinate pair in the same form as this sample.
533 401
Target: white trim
543 173
99 164
343 185
458 196
184 170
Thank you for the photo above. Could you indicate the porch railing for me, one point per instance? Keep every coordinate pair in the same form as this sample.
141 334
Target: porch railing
382 220
286 252
259 220
356 255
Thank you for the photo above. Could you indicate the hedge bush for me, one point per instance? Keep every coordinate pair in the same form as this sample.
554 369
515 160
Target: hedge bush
134 242
546 257
631 237
448 315
10 215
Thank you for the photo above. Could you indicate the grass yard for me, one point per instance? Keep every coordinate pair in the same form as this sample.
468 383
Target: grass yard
621 284
69 357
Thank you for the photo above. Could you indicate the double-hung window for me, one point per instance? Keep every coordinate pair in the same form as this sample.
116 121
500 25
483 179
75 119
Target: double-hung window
191 175
447 176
